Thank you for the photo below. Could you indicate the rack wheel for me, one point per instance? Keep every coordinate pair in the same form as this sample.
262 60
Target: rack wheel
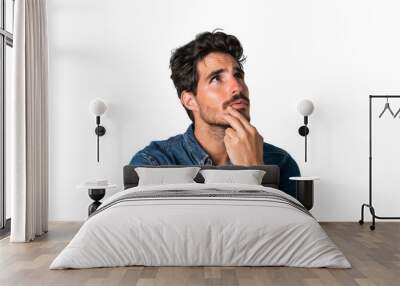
372 227
361 222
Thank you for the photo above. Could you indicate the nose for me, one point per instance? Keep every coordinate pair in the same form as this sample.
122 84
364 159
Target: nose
235 85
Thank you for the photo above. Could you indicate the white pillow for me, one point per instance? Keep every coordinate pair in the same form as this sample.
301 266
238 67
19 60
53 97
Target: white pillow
249 176
162 176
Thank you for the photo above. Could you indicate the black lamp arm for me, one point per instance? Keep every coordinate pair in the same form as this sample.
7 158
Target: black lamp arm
303 131
100 131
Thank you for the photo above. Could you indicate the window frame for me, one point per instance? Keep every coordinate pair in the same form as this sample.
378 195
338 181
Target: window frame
6 39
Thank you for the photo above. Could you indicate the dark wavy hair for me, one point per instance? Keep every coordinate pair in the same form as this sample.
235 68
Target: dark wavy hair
183 62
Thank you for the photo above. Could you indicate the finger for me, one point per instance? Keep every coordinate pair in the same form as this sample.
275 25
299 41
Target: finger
230 132
235 124
240 116
231 138
227 139
246 124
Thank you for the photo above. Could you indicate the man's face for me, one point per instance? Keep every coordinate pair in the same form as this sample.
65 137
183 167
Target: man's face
220 84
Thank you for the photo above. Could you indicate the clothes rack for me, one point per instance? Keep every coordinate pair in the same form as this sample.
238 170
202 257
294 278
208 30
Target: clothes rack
370 205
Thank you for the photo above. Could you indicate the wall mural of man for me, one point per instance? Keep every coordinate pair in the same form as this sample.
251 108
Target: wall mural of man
210 81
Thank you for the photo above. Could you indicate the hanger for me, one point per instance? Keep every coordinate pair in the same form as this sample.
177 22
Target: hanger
387 106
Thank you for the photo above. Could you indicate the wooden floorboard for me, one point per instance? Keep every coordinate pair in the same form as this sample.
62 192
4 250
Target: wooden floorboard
374 255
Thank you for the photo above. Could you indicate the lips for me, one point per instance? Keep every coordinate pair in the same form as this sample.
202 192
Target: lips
238 104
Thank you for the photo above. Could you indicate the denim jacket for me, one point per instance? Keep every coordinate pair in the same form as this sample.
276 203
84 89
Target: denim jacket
184 149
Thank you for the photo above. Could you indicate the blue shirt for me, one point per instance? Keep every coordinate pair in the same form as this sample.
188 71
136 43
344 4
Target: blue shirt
184 149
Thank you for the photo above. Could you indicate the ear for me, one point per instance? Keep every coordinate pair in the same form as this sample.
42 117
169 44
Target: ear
188 99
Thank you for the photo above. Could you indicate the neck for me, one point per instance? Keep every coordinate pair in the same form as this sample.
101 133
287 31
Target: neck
211 138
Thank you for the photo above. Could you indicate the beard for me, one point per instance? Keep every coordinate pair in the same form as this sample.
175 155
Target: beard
210 116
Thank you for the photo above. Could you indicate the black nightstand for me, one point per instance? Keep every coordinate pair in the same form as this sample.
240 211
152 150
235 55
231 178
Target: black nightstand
96 193
305 190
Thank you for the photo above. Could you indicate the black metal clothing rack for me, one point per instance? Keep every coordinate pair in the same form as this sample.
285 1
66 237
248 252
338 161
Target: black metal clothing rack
369 205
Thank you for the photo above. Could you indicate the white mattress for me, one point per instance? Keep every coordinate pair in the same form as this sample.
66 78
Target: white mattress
183 231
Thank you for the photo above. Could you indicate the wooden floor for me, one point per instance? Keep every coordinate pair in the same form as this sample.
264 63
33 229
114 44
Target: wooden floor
374 255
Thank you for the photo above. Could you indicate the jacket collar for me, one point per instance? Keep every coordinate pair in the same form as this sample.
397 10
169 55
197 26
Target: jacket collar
194 147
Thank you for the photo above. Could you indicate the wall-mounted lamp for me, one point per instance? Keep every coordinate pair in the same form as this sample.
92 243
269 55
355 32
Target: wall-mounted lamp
97 107
305 108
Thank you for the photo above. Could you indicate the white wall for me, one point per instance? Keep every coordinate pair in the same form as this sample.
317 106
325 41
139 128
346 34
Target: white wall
335 53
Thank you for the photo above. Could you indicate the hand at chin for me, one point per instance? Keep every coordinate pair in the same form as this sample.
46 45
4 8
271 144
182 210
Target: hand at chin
244 152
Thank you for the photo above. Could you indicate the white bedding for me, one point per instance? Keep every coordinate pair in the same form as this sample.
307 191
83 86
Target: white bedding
181 231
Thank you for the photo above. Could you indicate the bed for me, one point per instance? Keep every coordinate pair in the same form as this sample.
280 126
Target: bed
201 224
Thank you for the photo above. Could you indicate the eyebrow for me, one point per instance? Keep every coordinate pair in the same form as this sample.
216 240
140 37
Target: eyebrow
218 71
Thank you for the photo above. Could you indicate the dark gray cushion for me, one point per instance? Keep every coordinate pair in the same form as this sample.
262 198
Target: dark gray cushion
270 179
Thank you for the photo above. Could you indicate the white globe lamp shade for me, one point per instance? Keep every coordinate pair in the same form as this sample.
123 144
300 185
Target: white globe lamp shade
305 107
97 107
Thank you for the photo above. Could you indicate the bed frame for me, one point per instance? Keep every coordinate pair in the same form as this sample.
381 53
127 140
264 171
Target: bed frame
270 179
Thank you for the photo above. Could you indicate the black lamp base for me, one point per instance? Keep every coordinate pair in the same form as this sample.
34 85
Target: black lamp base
100 130
303 130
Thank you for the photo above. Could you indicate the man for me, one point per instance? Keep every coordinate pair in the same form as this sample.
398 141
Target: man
209 78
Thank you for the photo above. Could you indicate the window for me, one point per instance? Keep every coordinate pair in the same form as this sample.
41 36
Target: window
6 44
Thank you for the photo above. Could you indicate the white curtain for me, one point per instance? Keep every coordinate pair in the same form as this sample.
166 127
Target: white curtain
29 122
